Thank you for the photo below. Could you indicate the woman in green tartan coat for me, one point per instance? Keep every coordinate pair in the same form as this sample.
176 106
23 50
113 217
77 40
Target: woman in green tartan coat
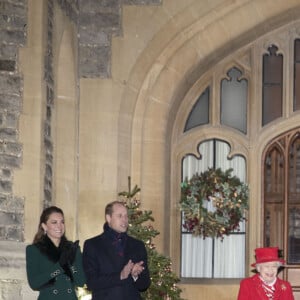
54 264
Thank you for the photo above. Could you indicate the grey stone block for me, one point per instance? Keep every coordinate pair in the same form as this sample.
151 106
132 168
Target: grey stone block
5 186
16 7
97 64
108 22
47 197
5 173
48 170
8 134
8 52
70 7
10 102
10 289
11 119
94 38
11 148
14 148
10 161
11 204
98 5
10 219
11 84
7 65
49 157
16 37
142 2
13 21
15 233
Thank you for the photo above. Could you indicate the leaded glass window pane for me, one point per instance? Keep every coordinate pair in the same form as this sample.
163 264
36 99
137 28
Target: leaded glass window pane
274 197
199 114
272 86
234 101
297 75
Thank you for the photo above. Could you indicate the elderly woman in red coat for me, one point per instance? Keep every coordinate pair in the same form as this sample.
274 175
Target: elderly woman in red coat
265 285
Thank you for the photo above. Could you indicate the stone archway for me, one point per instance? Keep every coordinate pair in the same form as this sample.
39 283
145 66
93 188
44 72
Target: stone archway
202 38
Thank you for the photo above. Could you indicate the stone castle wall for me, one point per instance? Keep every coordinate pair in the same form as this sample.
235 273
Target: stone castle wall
97 21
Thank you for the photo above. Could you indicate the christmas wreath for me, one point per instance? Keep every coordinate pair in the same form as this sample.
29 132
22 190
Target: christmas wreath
213 203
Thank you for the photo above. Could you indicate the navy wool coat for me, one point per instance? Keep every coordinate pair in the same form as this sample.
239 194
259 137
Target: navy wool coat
102 266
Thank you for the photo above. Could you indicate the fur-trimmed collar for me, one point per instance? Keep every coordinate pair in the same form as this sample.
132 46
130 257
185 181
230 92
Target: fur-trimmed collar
46 247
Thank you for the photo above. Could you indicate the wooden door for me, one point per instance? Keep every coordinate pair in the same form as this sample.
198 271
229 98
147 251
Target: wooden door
281 198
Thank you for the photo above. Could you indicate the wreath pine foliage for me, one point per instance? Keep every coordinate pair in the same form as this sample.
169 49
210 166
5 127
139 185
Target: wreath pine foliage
213 203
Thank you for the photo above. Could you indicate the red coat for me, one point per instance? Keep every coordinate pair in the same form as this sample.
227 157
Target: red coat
251 289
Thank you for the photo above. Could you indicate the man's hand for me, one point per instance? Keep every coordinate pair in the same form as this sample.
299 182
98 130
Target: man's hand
126 270
137 269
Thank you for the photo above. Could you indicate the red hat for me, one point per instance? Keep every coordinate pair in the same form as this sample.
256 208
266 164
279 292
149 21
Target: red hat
269 254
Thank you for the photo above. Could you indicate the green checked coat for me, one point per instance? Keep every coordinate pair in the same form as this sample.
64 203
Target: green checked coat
45 275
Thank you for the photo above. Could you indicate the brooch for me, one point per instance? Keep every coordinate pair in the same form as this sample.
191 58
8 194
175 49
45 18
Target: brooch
283 287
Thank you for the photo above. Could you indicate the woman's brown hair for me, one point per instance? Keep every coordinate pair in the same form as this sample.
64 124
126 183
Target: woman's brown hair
43 219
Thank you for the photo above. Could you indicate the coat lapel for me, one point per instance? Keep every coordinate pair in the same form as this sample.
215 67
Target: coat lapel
260 291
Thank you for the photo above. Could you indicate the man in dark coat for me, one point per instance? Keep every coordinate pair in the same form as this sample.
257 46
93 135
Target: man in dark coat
115 263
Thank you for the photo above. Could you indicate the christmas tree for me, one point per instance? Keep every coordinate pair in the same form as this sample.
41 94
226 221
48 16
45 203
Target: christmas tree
163 280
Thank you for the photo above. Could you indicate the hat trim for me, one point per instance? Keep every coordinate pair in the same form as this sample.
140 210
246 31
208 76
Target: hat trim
268 260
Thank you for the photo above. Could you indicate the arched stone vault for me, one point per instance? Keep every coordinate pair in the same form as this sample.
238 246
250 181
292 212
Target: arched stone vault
197 39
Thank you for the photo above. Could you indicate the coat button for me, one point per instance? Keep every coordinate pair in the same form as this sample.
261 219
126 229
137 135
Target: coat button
55 292
69 291
55 273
